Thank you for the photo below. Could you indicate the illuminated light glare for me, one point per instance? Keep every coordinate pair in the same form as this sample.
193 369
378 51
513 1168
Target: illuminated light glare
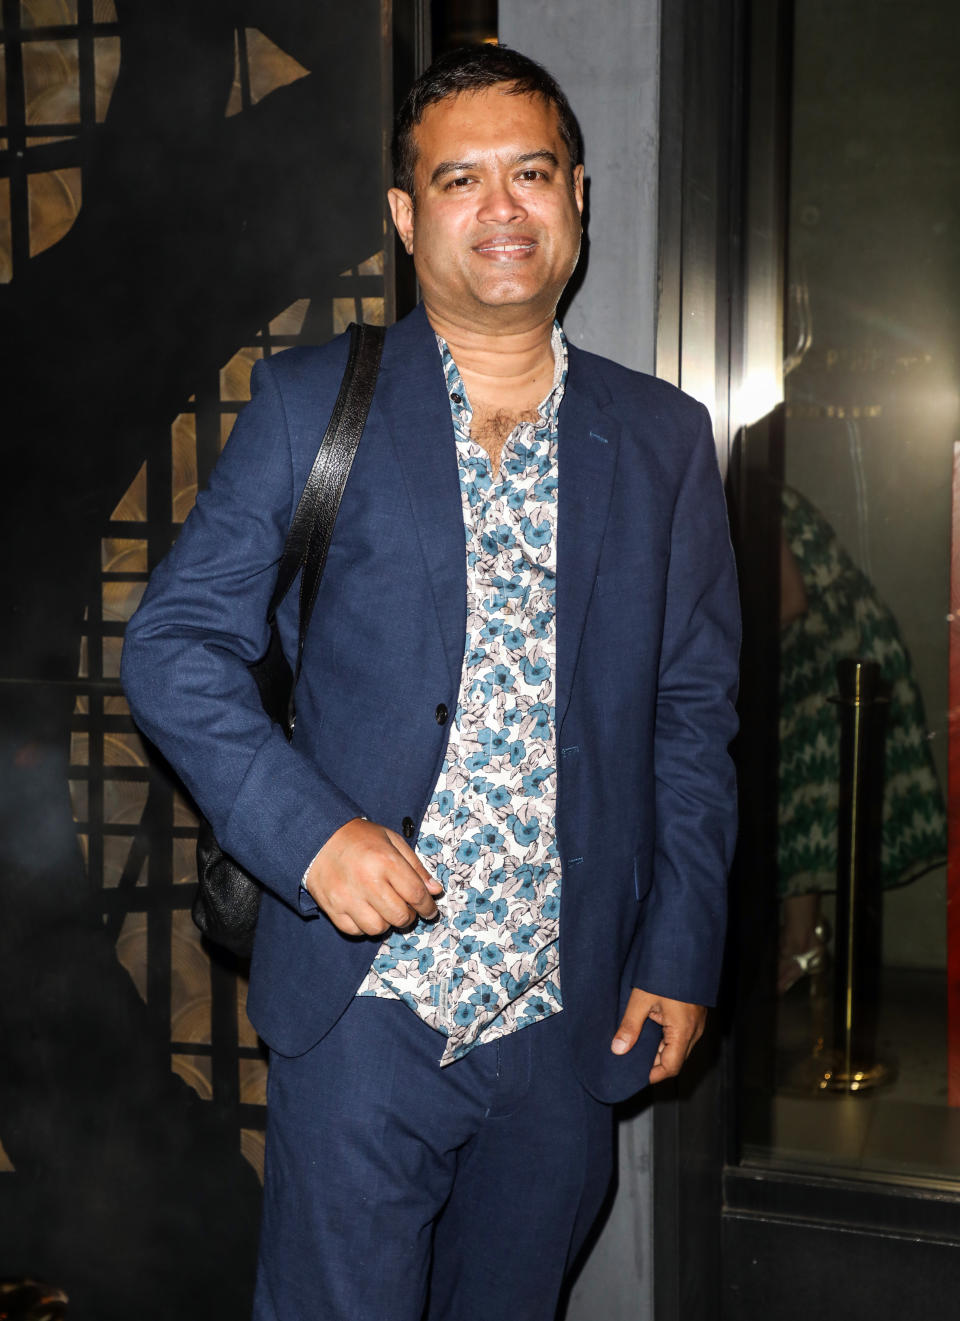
759 394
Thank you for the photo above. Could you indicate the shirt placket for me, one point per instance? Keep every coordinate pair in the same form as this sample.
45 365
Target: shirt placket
457 967
476 714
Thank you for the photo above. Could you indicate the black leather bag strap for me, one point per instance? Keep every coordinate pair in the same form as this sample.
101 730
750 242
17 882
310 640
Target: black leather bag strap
308 539
366 346
334 462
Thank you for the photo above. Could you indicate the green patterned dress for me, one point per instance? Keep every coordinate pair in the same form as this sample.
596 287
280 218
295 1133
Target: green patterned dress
846 618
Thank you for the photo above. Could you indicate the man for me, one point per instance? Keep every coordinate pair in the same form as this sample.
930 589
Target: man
495 853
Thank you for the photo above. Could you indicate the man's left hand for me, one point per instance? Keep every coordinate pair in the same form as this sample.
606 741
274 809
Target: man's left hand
682 1026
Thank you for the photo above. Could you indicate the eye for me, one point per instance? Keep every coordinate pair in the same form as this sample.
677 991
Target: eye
531 175
459 181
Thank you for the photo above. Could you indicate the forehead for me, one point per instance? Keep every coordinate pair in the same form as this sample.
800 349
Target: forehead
493 119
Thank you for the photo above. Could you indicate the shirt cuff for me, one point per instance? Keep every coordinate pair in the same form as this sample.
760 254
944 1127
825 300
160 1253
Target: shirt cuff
308 905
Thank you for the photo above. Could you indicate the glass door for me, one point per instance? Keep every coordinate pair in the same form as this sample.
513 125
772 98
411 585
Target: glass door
844 1170
861 488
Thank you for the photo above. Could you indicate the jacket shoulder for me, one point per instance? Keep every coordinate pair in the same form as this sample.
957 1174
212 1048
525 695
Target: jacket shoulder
632 395
306 368
316 367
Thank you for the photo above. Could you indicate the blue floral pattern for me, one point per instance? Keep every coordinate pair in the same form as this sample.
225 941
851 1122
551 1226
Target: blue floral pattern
489 964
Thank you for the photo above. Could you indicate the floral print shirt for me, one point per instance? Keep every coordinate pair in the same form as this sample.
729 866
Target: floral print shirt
489 964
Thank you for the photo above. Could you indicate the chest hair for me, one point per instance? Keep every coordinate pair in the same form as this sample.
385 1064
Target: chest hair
491 427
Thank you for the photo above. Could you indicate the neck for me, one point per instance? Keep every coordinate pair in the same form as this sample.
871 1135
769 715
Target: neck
494 363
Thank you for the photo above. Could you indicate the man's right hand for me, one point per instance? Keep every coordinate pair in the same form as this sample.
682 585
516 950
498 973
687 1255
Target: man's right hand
368 879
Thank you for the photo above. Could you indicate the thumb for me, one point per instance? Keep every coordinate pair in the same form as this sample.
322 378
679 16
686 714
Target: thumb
638 1007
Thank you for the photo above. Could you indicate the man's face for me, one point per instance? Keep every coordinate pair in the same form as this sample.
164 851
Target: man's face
495 225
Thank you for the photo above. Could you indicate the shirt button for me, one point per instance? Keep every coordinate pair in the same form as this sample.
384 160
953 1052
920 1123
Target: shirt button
456 398
407 827
441 714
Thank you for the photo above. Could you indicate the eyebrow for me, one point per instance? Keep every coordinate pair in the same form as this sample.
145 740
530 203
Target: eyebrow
454 167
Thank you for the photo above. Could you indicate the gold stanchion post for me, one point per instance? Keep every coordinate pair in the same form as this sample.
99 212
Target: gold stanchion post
851 1065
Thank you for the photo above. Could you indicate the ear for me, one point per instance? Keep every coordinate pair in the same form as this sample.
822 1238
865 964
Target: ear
578 187
401 208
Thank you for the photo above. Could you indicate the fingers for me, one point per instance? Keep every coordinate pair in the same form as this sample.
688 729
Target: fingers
367 918
408 855
367 880
369 897
412 881
681 1023
682 1026
669 1059
379 897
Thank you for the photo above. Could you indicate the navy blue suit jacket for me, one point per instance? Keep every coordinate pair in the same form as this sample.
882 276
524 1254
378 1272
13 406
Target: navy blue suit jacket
647 640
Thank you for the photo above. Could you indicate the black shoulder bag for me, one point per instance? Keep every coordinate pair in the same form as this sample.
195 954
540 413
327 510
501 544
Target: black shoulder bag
228 899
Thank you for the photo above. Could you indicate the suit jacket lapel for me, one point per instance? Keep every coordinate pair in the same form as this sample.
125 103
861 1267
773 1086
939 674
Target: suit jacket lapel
413 399
587 459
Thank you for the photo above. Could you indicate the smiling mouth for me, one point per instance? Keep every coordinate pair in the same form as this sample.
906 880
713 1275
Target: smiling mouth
506 249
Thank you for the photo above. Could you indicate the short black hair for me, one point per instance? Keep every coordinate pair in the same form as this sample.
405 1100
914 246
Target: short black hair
471 69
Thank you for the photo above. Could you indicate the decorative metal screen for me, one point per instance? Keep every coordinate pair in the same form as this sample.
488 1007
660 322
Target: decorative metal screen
137 830
59 61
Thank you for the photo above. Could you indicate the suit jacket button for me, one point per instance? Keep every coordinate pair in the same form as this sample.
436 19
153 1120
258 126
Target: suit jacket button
441 714
407 827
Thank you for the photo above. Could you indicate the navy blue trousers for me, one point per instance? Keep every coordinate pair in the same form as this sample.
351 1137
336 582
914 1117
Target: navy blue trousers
396 1190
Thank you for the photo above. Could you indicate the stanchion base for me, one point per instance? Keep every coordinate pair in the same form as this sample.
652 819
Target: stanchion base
825 1072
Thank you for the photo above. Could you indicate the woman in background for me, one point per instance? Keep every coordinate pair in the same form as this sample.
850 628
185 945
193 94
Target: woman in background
829 611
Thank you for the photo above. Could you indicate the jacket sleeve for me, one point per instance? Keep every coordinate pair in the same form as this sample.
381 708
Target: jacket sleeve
188 647
678 949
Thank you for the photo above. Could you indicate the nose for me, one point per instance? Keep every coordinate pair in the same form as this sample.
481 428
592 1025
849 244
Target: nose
500 204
